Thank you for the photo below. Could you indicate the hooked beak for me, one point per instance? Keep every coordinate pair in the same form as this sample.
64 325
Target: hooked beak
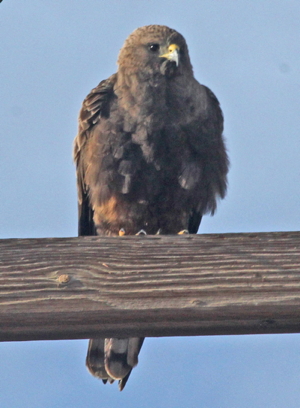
172 54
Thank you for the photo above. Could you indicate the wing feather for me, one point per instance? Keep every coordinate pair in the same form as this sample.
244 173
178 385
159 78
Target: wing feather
94 106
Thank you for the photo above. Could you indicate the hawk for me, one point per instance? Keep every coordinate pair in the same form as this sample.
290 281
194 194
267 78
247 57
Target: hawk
150 156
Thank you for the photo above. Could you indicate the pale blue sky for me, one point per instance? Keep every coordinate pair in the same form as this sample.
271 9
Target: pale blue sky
248 53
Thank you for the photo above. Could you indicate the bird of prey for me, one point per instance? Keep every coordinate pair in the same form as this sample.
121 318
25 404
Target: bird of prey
150 157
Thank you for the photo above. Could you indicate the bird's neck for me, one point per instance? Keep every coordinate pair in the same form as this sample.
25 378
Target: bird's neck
141 97
152 101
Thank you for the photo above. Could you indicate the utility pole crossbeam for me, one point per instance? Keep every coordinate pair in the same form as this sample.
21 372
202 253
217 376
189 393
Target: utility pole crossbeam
70 288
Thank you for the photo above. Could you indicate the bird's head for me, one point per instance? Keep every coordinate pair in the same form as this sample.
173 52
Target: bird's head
155 50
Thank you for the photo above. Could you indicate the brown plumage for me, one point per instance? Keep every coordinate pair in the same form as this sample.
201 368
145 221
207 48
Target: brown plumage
150 155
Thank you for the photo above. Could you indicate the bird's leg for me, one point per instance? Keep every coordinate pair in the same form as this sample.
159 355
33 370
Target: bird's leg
122 232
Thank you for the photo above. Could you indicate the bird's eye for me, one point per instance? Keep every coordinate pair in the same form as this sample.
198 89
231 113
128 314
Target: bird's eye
153 47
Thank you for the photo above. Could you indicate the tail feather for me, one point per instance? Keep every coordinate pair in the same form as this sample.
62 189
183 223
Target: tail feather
113 359
95 360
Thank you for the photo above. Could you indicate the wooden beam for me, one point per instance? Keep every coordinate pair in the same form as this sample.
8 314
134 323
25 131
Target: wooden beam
67 288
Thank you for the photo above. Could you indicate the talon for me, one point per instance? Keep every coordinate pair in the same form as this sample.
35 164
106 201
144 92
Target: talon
121 232
158 232
141 232
183 232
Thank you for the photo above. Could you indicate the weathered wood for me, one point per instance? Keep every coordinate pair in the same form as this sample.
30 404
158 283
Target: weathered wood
65 288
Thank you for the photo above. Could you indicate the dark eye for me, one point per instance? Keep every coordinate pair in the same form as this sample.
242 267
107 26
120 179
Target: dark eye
153 47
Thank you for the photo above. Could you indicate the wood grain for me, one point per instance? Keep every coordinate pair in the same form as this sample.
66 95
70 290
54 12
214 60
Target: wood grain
67 288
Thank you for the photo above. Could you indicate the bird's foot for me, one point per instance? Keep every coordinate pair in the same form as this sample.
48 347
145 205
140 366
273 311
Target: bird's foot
141 232
183 232
122 232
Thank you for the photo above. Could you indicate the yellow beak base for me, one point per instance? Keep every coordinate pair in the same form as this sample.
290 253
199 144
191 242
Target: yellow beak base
172 54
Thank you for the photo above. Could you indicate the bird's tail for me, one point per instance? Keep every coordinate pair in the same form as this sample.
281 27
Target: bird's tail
113 359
